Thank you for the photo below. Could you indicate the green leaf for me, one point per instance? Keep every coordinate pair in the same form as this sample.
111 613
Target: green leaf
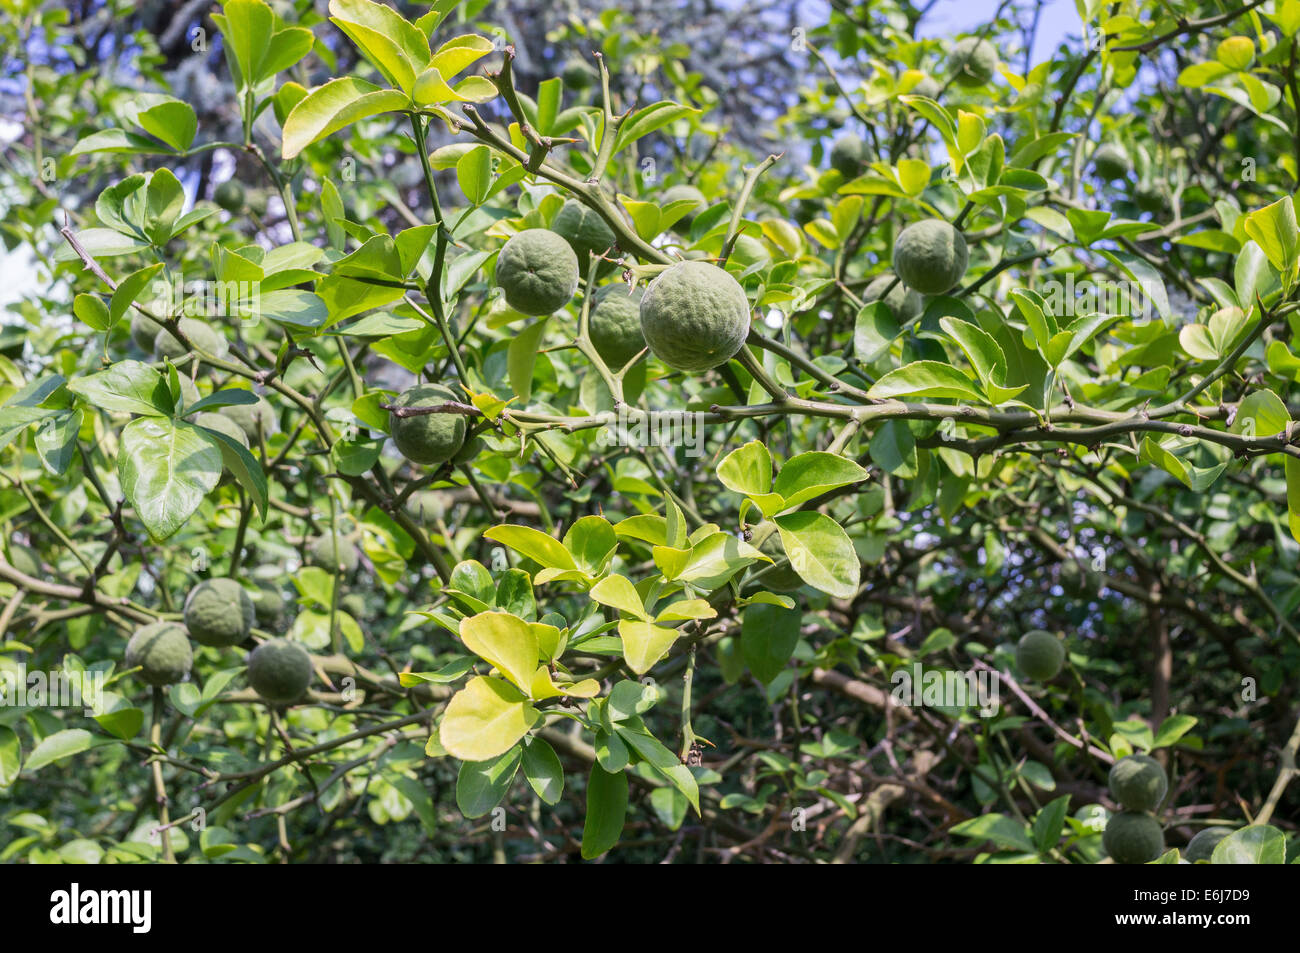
809 475
172 121
1049 823
128 386
820 552
328 108
647 120
926 379
653 752
481 785
874 332
506 641
60 745
1256 844
606 811
92 311
543 771
768 636
474 173
485 719
534 544
128 290
11 756
522 357
1261 414
167 467
1293 496
748 470
644 644
1173 728
1274 229
236 458
997 829
617 591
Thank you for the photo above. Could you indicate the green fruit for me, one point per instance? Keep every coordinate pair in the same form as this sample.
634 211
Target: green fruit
221 424
972 61
903 303
229 195
694 316
426 505
849 156
247 416
203 336
1138 782
926 86
470 451
1111 161
321 552
427 438
584 230
279 670
1133 838
930 256
1201 847
161 650
144 330
218 612
684 193
615 324
268 605
1040 655
354 604
538 272
25 559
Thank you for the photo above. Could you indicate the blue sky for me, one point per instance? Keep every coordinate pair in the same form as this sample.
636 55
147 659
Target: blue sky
1057 19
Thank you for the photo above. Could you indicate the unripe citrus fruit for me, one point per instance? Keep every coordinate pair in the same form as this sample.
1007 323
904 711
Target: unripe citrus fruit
922 84
584 230
849 156
972 61
1133 838
1201 847
1040 655
1111 161
214 421
161 650
247 416
426 505
538 271
203 336
144 330
218 612
229 195
268 604
1138 782
321 552
685 193
1237 52
694 316
930 256
427 438
279 670
615 324
903 303
749 250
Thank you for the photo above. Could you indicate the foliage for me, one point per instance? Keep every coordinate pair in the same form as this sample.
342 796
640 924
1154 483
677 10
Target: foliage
566 637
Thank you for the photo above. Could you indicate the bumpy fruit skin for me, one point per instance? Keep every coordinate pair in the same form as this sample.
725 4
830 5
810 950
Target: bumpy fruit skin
203 336
1040 655
229 195
225 425
427 438
320 551
685 193
268 605
849 156
584 230
694 316
144 330
902 302
930 256
1111 161
1133 838
162 652
279 670
538 271
246 417
1138 782
1201 847
972 61
218 613
615 324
